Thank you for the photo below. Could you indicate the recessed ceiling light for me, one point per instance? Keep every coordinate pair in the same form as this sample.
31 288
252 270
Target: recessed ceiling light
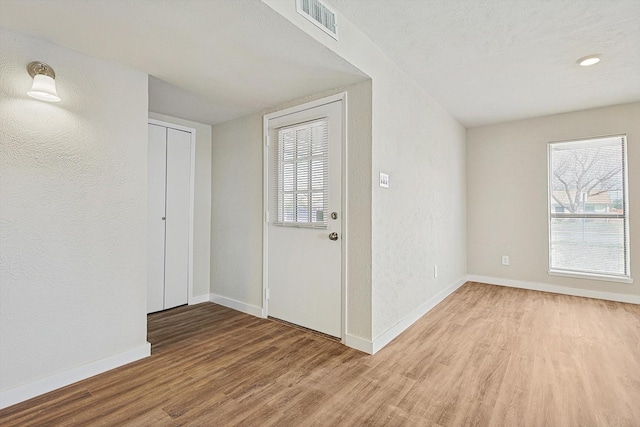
589 60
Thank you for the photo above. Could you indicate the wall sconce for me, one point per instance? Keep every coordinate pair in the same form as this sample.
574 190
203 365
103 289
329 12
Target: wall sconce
44 84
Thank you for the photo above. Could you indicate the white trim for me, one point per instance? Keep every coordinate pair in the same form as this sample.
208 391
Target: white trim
199 299
267 214
237 305
302 107
590 276
544 287
45 385
345 215
359 343
192 196
390 334
342 97
171 125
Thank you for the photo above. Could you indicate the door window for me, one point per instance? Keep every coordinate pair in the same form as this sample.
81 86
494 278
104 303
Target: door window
302 174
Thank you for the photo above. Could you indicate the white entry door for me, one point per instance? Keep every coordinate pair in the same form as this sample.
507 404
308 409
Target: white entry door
168 217
305 216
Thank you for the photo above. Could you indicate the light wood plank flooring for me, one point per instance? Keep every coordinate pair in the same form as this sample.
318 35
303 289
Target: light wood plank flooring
487 355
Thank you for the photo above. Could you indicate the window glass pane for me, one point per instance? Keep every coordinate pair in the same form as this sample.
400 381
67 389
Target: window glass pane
288 208
317 174
287 177
317 207
302 207
318 136
588 244
587 189
587 178
302 176
288 145
302 136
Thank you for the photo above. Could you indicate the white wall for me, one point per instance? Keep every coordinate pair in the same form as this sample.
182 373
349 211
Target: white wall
237 221
202 203
236 214
421 220
507 204
72 219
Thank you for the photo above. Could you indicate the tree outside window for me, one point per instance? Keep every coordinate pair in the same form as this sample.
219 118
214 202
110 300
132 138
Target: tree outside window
588 227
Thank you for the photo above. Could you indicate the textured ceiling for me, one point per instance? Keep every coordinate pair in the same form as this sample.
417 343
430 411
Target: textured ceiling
498 60
212 60
485 61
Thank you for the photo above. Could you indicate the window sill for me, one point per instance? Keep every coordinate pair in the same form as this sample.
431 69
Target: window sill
591 276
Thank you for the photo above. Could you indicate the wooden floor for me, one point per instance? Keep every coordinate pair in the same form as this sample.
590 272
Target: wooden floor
487 355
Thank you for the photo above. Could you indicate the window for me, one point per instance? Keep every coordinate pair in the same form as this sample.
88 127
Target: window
303 174
588 223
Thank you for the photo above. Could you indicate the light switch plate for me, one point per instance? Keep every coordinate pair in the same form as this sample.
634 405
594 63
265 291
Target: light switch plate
384 180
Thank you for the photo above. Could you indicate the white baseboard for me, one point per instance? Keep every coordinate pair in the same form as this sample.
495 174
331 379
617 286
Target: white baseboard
544 287
199 299
387 336
237 305
45 385
359 343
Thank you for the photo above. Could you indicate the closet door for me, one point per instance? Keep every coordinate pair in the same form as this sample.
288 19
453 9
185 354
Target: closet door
177 218
157 161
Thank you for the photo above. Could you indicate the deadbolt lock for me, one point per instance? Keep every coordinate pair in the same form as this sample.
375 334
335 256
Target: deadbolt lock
334 215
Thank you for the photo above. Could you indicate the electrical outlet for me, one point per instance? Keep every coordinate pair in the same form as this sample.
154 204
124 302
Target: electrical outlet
435 271
505 259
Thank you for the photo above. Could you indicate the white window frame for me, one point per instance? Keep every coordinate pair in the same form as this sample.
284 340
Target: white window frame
323 156
626 278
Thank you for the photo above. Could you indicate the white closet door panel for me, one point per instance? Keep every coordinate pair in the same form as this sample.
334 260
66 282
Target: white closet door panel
156 174
177 223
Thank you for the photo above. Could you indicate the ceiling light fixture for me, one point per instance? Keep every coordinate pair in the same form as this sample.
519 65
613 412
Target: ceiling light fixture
589 60
44 83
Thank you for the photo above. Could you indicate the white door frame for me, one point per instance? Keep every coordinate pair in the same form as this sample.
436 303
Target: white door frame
265 191
192 181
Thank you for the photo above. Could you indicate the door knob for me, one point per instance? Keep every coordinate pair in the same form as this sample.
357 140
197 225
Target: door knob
333 236
163 218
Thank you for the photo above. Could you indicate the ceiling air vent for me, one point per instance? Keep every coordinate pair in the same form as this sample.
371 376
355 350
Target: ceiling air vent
320 14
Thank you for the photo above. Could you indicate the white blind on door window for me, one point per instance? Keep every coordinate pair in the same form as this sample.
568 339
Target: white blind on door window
588 230
303 175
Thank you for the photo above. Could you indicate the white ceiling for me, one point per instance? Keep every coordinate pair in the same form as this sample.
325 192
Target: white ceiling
490 61
212 60
485 61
